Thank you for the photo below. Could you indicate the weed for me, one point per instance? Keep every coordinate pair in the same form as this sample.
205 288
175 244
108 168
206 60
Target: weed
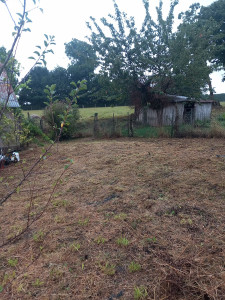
140 293
109 269
151 240
109 214
37 283
59 219
122 241
186 221
12 262
56 274
121 217
134 267
100 240
75 246
83 222
38 236
60 203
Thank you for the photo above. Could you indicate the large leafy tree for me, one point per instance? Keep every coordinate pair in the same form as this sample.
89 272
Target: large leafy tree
12 67
145 64
216 12
137 62
34 96
83 62
60 77
192 49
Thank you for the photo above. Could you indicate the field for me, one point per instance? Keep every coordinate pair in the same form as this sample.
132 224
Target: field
129 219
88 113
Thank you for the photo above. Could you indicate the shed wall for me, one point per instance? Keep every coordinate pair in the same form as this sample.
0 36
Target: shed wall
203 111
167 115
163 117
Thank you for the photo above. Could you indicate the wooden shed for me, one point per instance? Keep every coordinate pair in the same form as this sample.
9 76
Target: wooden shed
177 109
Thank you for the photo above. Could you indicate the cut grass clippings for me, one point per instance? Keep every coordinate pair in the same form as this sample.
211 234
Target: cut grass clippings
130 219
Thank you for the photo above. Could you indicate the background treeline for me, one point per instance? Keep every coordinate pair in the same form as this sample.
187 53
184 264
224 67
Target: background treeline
125 65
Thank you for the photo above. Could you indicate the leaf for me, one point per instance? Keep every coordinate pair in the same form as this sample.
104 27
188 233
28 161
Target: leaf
1 179
38 53
20 15
46 36
31 57
46 44
41 9
66 167
38 46
18 190
27 29
1 287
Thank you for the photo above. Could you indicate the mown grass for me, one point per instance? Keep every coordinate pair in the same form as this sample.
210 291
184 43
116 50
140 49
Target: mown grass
129 219
88 113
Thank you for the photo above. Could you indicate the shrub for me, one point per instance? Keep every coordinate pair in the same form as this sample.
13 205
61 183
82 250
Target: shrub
54 115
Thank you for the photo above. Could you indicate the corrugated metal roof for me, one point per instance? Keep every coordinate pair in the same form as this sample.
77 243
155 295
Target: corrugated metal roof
175 98
6 92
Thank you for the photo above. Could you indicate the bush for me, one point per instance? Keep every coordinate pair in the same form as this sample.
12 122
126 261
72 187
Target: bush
54 115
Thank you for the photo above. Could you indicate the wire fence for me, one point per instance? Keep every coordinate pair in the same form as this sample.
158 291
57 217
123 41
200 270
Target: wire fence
129 126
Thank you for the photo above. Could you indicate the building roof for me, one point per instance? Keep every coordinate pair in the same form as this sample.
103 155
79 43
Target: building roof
6 92
176 99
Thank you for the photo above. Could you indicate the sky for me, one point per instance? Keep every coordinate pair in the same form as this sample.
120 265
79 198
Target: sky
67 20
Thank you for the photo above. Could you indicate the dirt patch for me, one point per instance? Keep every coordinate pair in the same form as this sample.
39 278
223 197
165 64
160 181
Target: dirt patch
127 214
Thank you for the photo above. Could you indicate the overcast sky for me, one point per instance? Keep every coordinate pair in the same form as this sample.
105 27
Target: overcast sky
67 20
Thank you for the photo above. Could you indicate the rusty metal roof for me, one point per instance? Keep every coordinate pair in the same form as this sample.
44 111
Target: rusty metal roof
6 92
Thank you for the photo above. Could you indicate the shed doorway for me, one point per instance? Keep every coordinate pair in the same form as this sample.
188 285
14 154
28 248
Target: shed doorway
188 115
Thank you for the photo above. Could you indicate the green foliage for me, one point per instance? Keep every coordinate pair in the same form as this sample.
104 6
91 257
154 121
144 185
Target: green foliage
38 79
134 60
134 267
13 129
216 12
109 269
140 293
100 240
62 116
12 68
38 236
75 246
122 241
12 262
53 116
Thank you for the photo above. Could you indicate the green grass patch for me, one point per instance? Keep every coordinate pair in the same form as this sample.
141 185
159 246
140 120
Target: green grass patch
88 113
152 132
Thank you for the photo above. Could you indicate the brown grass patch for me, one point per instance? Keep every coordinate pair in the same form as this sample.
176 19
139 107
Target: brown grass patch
165 197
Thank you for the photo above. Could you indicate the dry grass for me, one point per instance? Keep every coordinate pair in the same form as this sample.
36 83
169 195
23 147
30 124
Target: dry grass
165 198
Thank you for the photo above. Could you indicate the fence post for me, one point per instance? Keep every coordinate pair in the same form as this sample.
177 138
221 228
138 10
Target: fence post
113 126
130 126
96 126
41 124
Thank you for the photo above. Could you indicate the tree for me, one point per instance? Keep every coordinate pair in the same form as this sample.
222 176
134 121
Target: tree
38 78
191 52
60 77
137 63
216 13
82 66
12 67
143 65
